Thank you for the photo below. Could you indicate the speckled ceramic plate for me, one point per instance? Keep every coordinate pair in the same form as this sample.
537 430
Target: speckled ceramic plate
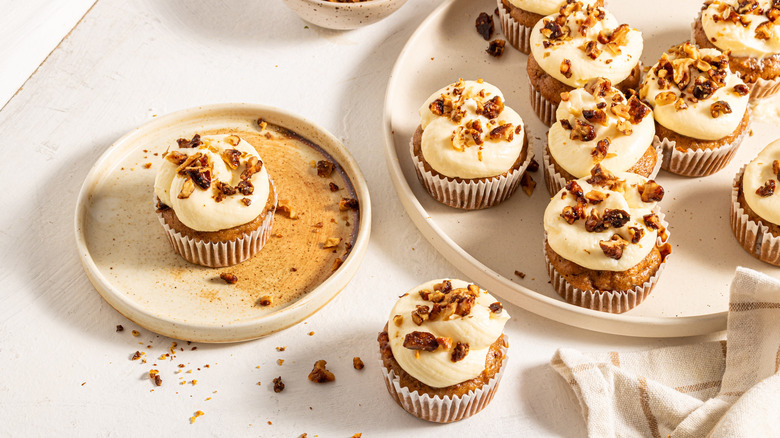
490 246
131 264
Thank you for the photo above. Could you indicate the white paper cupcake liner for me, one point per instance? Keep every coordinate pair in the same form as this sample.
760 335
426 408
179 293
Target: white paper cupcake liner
697 162
753 236
606 301
470 194
448 409
554 181
543 108
221 254
516 34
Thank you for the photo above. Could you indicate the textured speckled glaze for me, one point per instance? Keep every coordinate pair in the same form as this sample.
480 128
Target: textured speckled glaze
343 16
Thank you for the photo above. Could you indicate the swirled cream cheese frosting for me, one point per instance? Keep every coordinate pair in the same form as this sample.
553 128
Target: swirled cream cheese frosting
213 182
605 222
543 7
468 132
597 124
441 331
584 42
748 28
694 93
761 183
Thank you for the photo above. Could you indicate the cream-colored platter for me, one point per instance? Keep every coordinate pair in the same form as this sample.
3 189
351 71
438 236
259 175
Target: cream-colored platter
501 248
132 266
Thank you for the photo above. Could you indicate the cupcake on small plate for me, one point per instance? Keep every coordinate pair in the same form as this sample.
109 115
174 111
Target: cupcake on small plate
470 150
605 240
442 353
518 17
597 124
755 205
577 44
748 31
700 108
215 200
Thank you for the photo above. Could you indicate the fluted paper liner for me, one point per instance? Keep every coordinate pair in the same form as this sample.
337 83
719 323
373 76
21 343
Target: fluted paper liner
696 162
753 236
612 301
543 108
221 254
516 34
470 194
554 181
450 408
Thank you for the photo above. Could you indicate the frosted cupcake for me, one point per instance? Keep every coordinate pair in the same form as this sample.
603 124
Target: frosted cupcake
748 31
518 17
470 150
700 108
443 351
755 205
605 241
597 124
215 199
578 44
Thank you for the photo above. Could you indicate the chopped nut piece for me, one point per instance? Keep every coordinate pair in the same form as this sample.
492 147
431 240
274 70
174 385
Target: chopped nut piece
320 374
459 352
176 158
768 189
278 385
619 36
602 177
283 207
265 300
600 151
528 184
333 187
485 26
325 168
582 131
136 333
348 204
720 107
136 355
502 132
569 214
246 201
253 166
652 221
357 363
665 98
565 96
613 248
598 87
616 218
566 68
595 116
186 189
119 328
420 341
331 242
592 49
624 127
492 108
533 166
444 342
636 234
764 31
680 104
703 88
197 414
741 89
155 376
228 277
496 48
594 224
595 197
775 170
496 307
651 192
398 320
195 142
336 264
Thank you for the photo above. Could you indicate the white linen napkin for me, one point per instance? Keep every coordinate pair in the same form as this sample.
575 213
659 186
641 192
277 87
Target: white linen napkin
716 389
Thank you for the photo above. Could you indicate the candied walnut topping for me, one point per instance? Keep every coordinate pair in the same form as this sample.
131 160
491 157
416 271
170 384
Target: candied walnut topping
600 151
704 88
420 341
460 351
566 68
636 234
741 89
496 307
496 48
776 168
616 217
595 197
492 108
357 363
444 342
253 166
348 204
764 31
554 31
333 187
603 178
624 127
176 158
665 98
652 221
278 385
229 278
592 49
594 224
325 168
485 26
680 104
265 300
598 87
192 143
582 131
186 189
768 189
527 183
720 107
571 214
651 191
320 374
614 247
245 187
595 116
246 201
504 132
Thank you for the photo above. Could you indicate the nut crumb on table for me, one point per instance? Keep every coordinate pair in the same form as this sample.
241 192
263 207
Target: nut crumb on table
229 277
320 374
357 363
485 26
119 328
496 48
278 384
520 274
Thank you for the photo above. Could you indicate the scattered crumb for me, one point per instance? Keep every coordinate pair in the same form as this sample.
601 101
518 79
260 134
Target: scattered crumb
357 435
348 204
228 277
293 269
333 187
533 166
119 328
136 333
279 362
485 25
357 363
265 300
269 423
520 274
527 183
331 242
84 383
325 168
282 348
155 376
286 210
336 264
197 414
147 165
311 333
258 383
278 385
320 374
496 48
137 355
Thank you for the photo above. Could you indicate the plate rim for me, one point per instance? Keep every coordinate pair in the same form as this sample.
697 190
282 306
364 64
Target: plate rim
528 299
296 311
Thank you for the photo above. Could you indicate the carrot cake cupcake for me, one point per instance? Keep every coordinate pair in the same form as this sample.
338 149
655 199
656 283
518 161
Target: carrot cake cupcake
443 351
605 241
577 44
518 17
748 31
700 108
597 124
755 205
470 150
215 199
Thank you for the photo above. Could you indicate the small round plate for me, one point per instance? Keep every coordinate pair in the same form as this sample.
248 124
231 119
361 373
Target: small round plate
131 264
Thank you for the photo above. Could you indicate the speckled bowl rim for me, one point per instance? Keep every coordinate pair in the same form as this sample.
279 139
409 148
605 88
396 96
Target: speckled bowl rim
230 331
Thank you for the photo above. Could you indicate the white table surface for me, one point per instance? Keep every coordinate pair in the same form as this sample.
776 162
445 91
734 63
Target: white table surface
64 370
